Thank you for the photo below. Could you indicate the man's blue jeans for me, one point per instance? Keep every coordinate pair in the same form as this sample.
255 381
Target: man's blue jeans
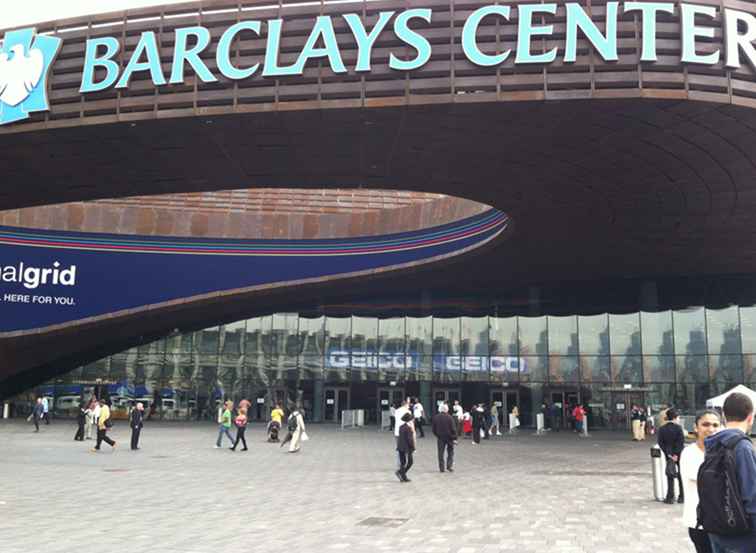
723 544
224 430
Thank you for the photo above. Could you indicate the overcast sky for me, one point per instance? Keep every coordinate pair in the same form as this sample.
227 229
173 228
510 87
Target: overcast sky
26 12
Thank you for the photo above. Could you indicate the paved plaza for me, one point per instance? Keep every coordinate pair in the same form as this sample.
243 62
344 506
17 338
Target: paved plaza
525 494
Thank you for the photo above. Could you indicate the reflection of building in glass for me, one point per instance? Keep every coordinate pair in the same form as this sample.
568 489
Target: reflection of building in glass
680 357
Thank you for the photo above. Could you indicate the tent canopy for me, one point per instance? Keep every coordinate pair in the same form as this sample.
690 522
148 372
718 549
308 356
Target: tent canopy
719 400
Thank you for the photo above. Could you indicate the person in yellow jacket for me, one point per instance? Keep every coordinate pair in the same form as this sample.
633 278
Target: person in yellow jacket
104 422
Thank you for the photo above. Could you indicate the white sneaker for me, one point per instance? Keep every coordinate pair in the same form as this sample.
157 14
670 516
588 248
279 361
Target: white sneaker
217 446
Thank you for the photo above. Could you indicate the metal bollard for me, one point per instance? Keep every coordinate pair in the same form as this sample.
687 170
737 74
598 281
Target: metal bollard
658 474
6 410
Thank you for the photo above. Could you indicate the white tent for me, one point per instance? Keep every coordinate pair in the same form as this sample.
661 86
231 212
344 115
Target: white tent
720 399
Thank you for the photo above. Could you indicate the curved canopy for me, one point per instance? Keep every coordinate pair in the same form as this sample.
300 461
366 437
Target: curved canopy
719 400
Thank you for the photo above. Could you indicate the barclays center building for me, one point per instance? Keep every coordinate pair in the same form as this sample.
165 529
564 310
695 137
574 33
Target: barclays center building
339 204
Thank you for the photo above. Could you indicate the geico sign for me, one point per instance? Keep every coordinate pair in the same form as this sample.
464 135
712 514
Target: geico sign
397 361
102 67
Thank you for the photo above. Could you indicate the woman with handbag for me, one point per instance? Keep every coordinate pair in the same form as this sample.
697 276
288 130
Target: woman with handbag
241 426
296 434
104 423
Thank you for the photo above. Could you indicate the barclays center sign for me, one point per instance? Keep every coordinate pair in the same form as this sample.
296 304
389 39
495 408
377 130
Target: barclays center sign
25 59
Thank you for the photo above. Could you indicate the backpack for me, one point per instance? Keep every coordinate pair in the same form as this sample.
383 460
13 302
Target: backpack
720 505
292 423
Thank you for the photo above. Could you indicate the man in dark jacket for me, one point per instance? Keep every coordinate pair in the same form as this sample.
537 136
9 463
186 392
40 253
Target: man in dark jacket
136 422
444 430
405 445
738 412
478 422
672 441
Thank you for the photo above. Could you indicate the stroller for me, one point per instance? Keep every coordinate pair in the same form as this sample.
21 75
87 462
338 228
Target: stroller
273 428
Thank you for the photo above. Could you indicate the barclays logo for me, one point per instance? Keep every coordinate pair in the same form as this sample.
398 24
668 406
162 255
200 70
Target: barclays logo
25 60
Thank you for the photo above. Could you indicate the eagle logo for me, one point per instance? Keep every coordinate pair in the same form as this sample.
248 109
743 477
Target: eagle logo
25 59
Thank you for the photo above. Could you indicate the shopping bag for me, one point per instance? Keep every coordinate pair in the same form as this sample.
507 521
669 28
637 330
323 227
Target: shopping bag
305 437
482 433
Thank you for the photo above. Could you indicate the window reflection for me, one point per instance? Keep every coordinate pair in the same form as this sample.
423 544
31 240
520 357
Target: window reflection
656 335
690 335
748 327
563 369
503 336
446 336
723 331
474 336
594 334
419 335
563 335
533 336
624 334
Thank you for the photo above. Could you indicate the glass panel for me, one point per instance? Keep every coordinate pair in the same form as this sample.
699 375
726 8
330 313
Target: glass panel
726 370
562 368
474 336
475 367
563 336
504 368
283 336
391 338
232 339
749 370
503 336
657 335
594 334
447 368
533 368
207 340
420 335
690 335
446 336
364 335
658 368
627 369
748 328
419 367
691 397
624 334
595 369
533 336
692 368
723 331
311 336
255 326
338 331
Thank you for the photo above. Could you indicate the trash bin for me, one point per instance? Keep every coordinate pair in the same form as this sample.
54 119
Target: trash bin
658 468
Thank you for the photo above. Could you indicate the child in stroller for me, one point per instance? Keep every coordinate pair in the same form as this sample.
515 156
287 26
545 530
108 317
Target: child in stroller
273 428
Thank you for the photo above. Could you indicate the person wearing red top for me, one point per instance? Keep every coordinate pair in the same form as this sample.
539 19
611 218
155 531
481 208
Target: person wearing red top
579 414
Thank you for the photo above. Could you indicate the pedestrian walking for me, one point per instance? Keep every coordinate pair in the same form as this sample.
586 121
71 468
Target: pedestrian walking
81 419
136 422
224 423
643 420
556 417
515 419
274 426
707 423
36 414
89 422
96 415
296 431
405 446
104 423
418 412
459 415
46 410
494 430
732 448
445 431
478 423
671 440
392 416
241 426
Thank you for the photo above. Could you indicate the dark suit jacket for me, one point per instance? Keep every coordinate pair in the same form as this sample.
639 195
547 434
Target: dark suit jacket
405 442
137 417
671 439
443 427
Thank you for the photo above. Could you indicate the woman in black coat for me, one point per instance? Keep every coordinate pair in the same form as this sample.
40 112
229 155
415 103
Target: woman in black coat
405 445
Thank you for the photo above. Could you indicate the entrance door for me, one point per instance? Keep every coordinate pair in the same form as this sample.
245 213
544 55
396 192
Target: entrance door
440 395
566 399
386 398
621 408
260 411
335 401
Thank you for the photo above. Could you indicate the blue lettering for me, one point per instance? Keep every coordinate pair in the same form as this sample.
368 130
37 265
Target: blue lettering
181 55
413 39
223 54
526 30
92 62
364 40
147 45
469 39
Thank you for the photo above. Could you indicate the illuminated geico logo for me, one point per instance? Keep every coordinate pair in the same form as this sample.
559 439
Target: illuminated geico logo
342 359
32 277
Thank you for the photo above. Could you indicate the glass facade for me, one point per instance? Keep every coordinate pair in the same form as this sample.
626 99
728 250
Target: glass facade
680 357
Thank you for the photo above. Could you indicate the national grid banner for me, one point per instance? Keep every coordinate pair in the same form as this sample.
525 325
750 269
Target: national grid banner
54 277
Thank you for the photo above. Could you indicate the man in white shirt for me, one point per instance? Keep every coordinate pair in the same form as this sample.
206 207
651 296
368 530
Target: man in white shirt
400 412
418 412
458 413
707 423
